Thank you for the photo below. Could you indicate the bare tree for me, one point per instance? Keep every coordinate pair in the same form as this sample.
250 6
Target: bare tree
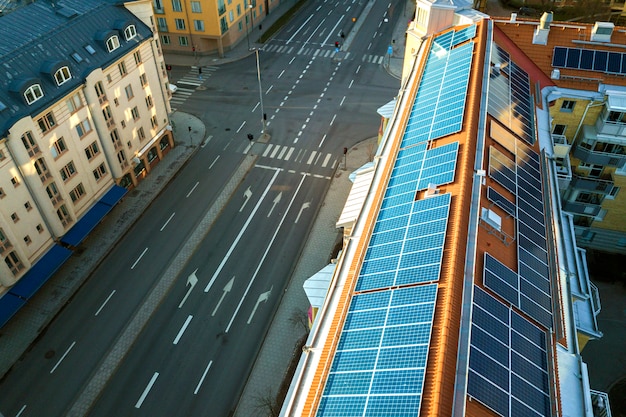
266 403
299 318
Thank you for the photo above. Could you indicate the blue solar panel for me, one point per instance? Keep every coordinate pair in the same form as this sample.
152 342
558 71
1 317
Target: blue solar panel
589 59
501 201
463 35
508 364
385 361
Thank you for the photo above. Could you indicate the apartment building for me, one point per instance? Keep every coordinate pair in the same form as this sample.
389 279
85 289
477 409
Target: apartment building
83 117
207 27
460 290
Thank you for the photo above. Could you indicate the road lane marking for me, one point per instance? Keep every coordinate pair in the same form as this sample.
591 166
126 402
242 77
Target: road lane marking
267 249
281 73
214 161
226 290
147 390
168 220
63 357
301 27
202 378
342 100
255 107
19 413
269 89
333 120
105 302
192 189
351 81
322 141
139 259
182 329
292 60
241 127
206 141
192 280
332 30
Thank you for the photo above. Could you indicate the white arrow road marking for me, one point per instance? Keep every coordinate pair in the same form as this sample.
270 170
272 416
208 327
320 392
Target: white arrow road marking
246 194
304 206
227 288
241 232
262 299
192 280
276 201
267 249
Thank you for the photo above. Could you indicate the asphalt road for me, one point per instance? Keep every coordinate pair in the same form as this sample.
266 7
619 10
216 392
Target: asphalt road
197 349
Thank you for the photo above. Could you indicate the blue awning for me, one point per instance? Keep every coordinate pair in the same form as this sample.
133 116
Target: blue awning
40 272
9 305
114 195
86 224
93 216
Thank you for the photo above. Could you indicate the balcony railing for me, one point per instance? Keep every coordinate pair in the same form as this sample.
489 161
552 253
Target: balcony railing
561 147
586 209
599 158
602 185
600 403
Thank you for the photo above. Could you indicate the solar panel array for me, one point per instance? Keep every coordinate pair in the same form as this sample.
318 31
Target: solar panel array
589 60
380 360
508 363
379 365
440 101
522 178
501 201
509 95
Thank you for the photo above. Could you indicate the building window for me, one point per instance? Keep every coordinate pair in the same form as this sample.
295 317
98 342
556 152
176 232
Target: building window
221 7
176 6
141 134
123 123
130 32
40 228
2 193
77 192
100 92
231 16
58 147
180 24
165 39
99 172
135 113
29 143
2 156
121 157
83 128
68 171
162 24
5 243
196 7
113 43
92 150
223 25
74 103
46 122
149 101
27 240
238 10
14 263
198 25
158 6
62 75
42 169
164 143
33 93
568 106
129 91
109 79
182 41
15 217
27 206
137 56
64 215
153 122
122 67
108 116
15 181
116 102
143 79
240 26
613 193
53 193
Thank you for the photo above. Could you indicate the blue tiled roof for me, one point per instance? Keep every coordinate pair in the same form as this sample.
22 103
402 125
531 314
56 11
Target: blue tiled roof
35 37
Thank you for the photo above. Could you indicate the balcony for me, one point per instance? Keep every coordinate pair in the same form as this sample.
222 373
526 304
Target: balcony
586 209
561 147
599 158
563 172
608 127
600 402
602 185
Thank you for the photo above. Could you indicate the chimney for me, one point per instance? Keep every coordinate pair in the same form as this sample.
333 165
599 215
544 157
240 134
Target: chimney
602 32
540 37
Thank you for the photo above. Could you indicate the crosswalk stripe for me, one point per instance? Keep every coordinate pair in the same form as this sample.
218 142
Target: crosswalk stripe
269 146
327 53
274 152
316 52
282 152
380 59
347 55
328 156
291 149
290 49
183 81
313 153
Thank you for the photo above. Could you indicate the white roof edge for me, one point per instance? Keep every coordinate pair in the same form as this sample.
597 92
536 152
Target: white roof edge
574 387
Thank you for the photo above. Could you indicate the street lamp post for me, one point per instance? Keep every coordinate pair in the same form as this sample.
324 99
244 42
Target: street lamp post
247 33
258 72
250 7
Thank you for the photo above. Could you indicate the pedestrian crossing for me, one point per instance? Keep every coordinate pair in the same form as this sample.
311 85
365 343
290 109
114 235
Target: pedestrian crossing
189 83
321 53
308 157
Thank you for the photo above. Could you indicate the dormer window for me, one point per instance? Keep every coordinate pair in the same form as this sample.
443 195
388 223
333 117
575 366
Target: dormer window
130 32
33 93
113 43
62 75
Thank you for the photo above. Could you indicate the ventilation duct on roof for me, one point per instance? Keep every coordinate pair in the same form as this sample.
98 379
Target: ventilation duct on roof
602 32
540 37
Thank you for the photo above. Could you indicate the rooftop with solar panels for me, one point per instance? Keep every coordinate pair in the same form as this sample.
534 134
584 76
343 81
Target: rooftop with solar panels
452 296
